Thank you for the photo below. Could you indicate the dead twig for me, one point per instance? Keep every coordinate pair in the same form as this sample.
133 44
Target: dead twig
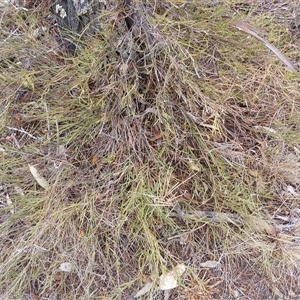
253 32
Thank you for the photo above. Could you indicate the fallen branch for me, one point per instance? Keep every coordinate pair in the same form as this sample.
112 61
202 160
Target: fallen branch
253 32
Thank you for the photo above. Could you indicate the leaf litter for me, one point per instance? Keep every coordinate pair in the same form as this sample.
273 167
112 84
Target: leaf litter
200 118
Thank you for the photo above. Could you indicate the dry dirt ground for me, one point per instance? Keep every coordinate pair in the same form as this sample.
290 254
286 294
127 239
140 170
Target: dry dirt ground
114 170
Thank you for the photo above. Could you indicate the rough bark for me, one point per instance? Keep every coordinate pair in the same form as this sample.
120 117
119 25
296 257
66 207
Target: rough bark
77 18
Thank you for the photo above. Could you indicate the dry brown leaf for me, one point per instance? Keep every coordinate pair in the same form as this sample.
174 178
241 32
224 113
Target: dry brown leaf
66 267
10 204
261 225
39 179
210 264
168 281
144 290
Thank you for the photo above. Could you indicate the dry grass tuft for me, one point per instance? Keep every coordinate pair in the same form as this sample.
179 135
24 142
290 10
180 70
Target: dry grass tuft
174 143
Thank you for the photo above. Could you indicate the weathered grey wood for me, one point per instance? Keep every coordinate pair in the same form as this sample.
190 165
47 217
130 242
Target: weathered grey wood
77 18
